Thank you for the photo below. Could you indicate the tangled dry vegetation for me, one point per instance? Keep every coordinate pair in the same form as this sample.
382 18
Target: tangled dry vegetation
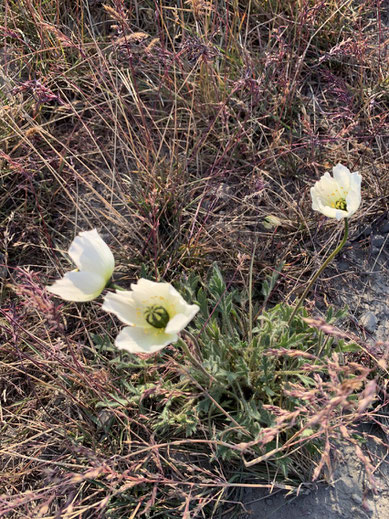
176 128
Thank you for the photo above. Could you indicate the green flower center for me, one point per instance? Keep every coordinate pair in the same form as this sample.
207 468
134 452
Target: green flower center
341 204
157 316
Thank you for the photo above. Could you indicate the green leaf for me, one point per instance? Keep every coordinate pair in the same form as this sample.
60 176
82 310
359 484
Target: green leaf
202 302
216 283
306 380
270 282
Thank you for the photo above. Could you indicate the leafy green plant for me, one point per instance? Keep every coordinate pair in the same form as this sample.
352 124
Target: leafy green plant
256 388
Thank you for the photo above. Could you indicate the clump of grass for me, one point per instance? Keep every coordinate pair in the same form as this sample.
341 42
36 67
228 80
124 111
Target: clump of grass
262 385
190 131
245 399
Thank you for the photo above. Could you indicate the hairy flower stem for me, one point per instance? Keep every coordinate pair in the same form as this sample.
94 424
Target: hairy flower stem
325 264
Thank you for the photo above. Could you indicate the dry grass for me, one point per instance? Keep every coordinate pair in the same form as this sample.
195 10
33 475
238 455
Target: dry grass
175 128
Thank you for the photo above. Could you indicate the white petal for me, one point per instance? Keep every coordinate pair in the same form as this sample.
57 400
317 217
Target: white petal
341 214
180 305
327 184
179 321
145 285
353 199
331 212
326 190
91 254
355 180
144 289
146 293
315 199
122 304
325 176
141 340
78 286
342 176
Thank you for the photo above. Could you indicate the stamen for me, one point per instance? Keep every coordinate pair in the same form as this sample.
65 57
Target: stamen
341 204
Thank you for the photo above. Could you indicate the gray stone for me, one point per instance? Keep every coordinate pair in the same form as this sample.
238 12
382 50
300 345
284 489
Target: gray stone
357 498
378 240
369 321
345 485
385 228
343 266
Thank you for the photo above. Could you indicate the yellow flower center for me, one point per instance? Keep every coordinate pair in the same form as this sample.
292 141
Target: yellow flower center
341 204
156 316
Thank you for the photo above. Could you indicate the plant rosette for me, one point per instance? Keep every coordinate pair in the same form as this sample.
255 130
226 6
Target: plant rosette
338 196
155 313
95 264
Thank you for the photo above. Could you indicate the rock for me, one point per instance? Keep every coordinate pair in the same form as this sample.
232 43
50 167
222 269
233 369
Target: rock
345 486
378 241
356 498
385 228
343 266
369 321
366 232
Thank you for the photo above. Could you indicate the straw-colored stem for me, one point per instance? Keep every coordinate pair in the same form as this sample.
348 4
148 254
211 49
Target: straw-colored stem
325 264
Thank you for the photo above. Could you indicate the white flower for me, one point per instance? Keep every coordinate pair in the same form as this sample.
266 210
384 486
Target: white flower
95 264
156 313
338 196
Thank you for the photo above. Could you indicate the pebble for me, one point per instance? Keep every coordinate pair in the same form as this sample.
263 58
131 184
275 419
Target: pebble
385 228
357 498
378 241
345 486
369 321
343 266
